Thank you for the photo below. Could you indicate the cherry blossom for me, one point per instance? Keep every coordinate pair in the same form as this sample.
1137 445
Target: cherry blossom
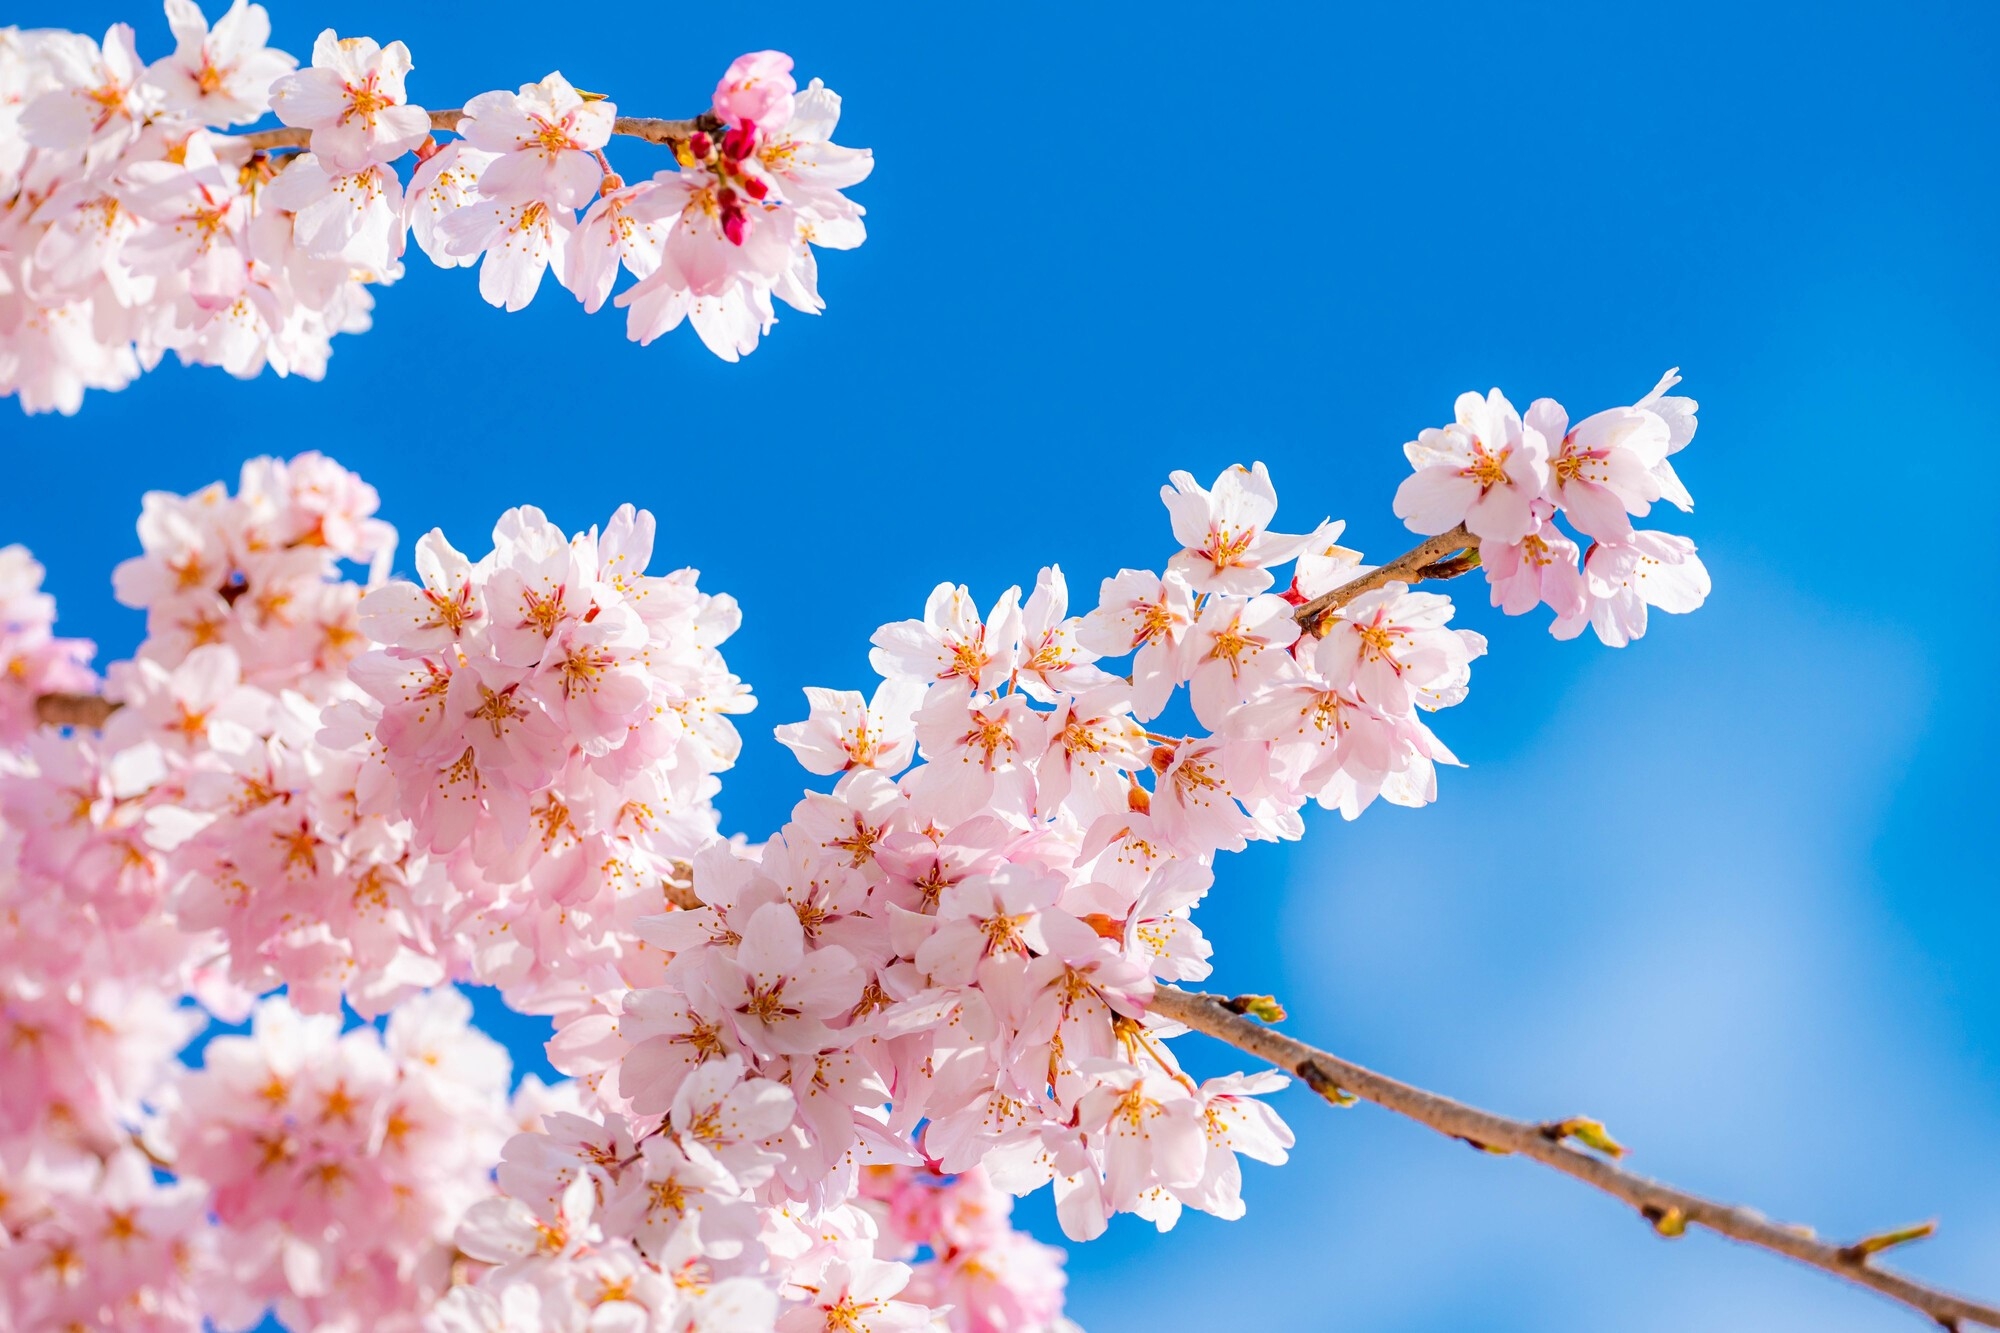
1485 470
1226 547
542 139
220 74
352 99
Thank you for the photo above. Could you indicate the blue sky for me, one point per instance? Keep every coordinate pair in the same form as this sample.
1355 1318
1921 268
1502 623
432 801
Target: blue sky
1730 890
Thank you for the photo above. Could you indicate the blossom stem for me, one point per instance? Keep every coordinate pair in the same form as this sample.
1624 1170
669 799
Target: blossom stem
1427 560
650 128
1670 1210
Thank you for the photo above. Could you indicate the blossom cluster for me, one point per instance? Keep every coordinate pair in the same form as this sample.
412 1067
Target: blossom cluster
810 1073
140 220
339 1165
1506 477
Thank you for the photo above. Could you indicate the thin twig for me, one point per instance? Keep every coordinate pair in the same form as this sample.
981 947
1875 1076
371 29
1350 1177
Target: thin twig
73 710
1427 560
1670 1210
649 128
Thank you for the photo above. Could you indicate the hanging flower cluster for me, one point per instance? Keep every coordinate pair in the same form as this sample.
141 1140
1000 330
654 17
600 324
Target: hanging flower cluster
136 220
809 1073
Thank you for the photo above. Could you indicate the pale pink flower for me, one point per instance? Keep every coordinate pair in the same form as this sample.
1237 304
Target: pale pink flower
1622 579
1485 470
1603 467
517 244
356 218
980 753
856 1294
223 74
1009 914
615 231
1235 649
1391 646
1678 411
446 609
1540 568
1052 663
843 732
443 183
727 1116
352 100
1147 616
543 137
1227 546
951 643
98 91
779 993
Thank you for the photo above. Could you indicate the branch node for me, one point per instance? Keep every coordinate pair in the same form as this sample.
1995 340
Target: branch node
1861 1251
1477 1146
1667 1221
1590 1133
1265 1007
1463 563
1322 1083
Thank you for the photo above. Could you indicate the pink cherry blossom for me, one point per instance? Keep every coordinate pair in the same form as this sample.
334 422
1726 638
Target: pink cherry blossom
1223 532
221 74
542 138
1485 470
352 100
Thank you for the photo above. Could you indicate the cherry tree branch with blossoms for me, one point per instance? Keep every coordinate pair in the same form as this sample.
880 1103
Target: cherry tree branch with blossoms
134 223
804 1077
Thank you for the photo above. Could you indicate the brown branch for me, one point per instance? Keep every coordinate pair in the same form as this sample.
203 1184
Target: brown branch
1427 560
1670 1210
649 128
73 710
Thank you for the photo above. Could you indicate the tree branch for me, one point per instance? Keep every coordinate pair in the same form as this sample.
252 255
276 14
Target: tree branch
1425 561
1670 1210
649 128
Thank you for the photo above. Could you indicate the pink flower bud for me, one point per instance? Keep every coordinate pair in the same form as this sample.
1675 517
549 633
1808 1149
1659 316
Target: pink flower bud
757 87
700 144
741 141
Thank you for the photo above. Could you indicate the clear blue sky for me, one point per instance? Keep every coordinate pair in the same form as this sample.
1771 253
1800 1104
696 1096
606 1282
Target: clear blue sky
1731 890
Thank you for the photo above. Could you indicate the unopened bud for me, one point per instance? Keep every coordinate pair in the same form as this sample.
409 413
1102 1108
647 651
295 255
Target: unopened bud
755 188
733 227
700 145
1137 799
